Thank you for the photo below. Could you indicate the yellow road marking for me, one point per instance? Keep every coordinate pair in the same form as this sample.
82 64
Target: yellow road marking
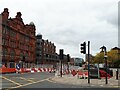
31 78
50 81
116 86
29 83
26 79
11 81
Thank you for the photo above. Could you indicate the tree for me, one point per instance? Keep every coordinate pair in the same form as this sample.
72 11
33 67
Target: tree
99 58
114 57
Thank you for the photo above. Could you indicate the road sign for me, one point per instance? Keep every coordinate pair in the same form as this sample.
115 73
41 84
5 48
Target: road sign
18 66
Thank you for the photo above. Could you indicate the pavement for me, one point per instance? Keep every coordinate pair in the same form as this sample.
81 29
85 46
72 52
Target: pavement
98 83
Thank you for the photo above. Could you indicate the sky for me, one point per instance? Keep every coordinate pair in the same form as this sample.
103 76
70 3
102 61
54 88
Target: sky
68 23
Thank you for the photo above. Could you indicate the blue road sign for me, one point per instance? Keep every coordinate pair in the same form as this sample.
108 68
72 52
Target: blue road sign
18 66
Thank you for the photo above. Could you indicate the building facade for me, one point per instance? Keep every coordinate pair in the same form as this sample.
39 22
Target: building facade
18 41
45 52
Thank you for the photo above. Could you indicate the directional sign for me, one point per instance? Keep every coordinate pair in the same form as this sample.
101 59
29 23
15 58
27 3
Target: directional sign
18 66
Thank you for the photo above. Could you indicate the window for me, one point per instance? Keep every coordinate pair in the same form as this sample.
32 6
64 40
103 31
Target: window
13 44
44 49
26 55
12 55
21 38
27 39
4 30
37 55
12 65
12 33
3 41
21 55
5 52
7 31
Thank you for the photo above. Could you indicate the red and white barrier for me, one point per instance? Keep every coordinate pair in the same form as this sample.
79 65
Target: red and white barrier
25 70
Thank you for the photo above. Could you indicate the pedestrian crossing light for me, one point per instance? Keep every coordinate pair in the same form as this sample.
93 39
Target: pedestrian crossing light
83 48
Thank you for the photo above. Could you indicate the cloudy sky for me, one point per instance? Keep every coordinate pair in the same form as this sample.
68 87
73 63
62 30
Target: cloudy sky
68 23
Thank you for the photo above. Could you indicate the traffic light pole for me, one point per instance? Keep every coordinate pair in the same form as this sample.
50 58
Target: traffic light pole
68 67
83 50
105 59
88 62
61 58
60 68
68 60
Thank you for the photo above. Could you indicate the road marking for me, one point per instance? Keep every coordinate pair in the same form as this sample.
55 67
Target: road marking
116 86
30 83
31 78
50 81
26 79
11 81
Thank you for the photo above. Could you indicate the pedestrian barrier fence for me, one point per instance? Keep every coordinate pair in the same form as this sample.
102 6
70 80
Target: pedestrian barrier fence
25 70
83 73
7 70
79 73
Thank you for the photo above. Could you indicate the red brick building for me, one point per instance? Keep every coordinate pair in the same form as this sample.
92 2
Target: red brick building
45 52
18 41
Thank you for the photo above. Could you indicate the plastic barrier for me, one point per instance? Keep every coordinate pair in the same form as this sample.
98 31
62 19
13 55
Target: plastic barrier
25 70
82 74
103 74
74 72
44 69
34 69
7 70
40 69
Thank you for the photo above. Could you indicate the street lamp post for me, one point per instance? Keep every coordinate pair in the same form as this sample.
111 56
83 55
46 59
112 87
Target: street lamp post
105 59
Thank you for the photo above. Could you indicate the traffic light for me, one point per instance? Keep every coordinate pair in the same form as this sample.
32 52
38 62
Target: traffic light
61 54
68 58
83 48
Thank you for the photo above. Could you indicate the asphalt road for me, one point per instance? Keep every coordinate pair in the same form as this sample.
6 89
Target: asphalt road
20 80
36 81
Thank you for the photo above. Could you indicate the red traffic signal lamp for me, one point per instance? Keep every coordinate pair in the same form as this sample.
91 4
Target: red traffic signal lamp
83 48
